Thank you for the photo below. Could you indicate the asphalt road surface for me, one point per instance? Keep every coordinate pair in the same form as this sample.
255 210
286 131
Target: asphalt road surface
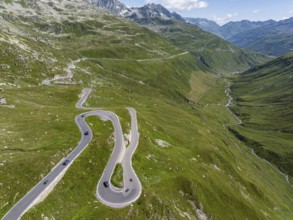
112 196
106 193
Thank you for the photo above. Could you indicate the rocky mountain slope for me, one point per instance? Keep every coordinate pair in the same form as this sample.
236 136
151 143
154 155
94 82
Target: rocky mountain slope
51 50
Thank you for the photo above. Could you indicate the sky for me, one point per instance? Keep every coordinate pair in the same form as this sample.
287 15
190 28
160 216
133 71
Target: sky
223 11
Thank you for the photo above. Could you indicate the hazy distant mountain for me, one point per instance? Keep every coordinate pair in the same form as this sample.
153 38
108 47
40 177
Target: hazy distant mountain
233 28
230 29
273 38
205 24
153 11
270 37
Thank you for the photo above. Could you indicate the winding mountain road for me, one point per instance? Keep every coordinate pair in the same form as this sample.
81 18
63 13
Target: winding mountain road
106 193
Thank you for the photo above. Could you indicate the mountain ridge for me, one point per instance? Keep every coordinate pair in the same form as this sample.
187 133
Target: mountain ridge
259 36
273 39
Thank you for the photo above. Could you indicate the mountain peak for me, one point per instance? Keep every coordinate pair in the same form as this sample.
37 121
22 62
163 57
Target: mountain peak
152 10
147 11
153 5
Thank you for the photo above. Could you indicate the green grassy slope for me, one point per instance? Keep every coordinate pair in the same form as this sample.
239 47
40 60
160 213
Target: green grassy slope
205 169
217 53
264 102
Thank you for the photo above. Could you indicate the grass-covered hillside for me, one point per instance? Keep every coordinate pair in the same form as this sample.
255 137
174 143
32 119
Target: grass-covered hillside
264 102
51 50
215 52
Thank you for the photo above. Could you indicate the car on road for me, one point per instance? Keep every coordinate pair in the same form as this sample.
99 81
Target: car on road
127 190
106 184
66 162
130 179
45 182
86 133
82 116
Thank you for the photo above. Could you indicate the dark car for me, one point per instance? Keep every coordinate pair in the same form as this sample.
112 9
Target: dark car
45 182
106 184
86 133
127 190
66 162
130 179
82 116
